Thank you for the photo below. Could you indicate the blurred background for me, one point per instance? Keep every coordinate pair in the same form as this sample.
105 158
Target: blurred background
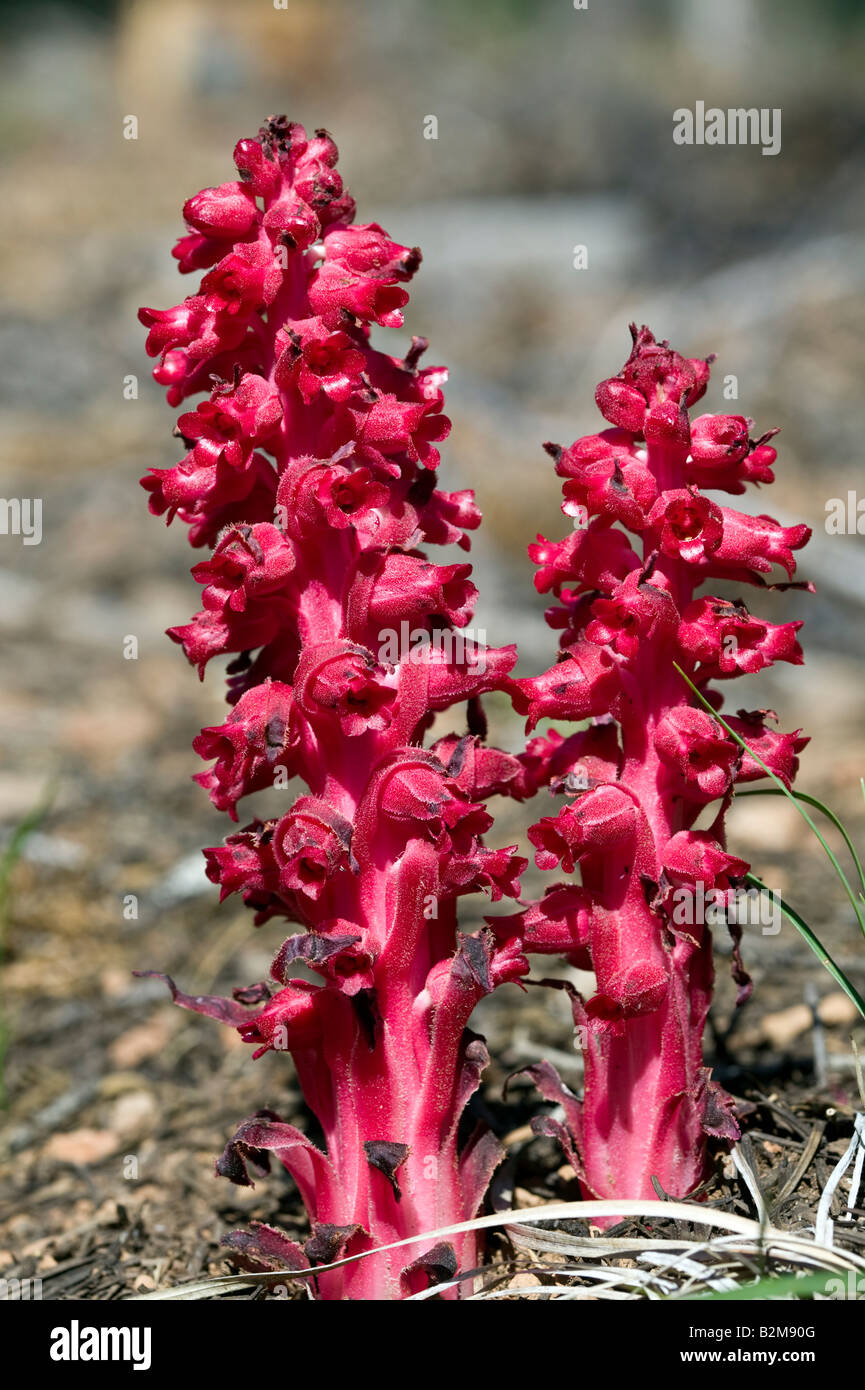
553 133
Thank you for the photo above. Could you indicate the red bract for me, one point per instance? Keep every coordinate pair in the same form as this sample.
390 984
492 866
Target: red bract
635 791
310 473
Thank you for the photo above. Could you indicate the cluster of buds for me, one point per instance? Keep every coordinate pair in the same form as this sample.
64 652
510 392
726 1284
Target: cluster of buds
310 473
650 759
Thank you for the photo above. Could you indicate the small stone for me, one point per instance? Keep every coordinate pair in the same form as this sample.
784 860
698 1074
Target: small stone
836 1009
142 1041
524 1198
81 1146
780 1029
115 982
132 1113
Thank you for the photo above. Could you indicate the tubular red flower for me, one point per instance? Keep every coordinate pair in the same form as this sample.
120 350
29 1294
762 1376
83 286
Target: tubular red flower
635 787
310 473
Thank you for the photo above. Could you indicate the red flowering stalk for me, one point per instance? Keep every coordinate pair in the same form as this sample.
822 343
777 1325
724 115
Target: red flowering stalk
311 472
635 787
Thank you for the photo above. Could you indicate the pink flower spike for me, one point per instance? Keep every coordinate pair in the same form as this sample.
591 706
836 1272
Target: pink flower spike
635 787
309 473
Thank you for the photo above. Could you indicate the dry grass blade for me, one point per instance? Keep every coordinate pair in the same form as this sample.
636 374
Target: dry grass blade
739 1236
745 1169
805 1161
824 1224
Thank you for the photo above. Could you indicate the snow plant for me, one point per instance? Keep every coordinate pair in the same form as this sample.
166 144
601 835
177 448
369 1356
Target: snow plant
309 474
651 760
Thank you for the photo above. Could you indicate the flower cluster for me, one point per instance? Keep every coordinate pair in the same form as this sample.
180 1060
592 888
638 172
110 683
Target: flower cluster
310 473
650 760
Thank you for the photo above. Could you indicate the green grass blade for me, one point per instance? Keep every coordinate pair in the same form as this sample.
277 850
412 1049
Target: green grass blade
856 905
781 1287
